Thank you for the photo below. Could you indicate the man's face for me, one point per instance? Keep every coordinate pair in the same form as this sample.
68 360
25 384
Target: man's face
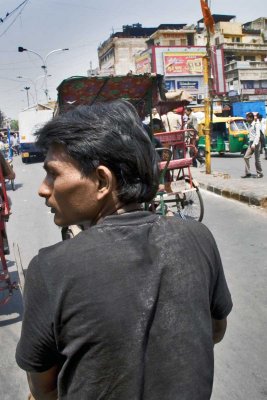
250 119
72 198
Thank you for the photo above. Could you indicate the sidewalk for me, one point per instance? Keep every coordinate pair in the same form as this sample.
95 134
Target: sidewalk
252 191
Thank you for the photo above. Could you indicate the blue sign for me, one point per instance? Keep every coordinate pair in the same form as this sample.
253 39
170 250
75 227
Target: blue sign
187 85
170 85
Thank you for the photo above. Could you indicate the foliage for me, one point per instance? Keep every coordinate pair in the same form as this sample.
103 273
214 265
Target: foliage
2 117
14 125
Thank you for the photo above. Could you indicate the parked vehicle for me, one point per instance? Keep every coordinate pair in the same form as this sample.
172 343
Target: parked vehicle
30 120
229 134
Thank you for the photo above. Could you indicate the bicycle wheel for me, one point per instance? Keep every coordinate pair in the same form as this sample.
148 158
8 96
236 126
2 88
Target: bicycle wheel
190 203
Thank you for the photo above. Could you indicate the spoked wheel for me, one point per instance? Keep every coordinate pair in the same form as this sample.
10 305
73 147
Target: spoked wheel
189 203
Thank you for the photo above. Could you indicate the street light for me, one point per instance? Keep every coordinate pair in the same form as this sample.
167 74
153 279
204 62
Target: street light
44 63
27 88
34 83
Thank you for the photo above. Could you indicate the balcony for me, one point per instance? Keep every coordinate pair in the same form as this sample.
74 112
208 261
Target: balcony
234 65
243 47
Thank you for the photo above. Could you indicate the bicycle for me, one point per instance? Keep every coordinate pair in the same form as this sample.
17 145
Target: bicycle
181 195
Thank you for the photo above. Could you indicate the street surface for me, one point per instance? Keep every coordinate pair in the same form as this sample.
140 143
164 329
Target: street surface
233 164
240 231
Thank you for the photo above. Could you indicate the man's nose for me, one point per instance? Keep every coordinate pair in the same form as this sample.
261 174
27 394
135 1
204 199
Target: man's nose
44 189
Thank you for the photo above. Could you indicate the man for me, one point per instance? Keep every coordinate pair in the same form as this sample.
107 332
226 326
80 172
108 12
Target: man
131 307
171 121
262 122
253 147
192 123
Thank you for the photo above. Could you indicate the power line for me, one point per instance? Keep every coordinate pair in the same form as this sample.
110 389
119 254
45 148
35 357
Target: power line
8 14
23 5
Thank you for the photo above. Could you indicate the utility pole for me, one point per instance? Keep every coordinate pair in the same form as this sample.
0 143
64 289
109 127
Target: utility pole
208 103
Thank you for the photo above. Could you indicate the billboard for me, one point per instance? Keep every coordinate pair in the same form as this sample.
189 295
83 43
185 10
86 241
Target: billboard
183 63
143 64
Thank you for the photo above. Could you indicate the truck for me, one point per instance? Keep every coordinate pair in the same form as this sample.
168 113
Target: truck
240 108
30 120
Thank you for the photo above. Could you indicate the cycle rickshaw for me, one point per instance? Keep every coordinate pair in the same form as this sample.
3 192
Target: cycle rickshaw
6 284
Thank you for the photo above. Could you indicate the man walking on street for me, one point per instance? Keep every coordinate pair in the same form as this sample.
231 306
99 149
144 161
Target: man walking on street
254 147
131 307
192 123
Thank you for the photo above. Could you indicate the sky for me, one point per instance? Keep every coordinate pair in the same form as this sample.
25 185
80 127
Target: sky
81 26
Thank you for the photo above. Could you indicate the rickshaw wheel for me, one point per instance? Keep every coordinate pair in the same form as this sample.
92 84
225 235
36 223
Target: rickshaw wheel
190 205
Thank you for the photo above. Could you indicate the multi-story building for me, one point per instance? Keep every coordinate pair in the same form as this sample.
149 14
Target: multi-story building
245 55
238 55
172 52
116 54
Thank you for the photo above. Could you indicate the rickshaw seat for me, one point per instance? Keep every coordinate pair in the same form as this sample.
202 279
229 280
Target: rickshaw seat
176 164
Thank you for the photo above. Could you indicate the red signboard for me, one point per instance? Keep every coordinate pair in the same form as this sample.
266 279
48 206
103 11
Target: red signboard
143 64
183 63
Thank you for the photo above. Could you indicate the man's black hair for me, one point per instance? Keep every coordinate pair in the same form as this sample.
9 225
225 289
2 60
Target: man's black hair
110 134
250 115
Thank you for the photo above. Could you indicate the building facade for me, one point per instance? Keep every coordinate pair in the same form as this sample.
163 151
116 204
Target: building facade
116 54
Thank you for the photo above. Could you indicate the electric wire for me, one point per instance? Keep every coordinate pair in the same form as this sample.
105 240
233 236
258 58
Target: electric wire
23 5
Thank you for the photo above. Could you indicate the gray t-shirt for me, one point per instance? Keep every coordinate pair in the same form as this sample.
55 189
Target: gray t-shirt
125 307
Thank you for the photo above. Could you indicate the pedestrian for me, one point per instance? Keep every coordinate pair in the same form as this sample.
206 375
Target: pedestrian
192 123
253 146
14 141
172 121
262 122
131 307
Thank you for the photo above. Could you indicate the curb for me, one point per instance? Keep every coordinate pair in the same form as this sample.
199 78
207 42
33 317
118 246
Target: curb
242 196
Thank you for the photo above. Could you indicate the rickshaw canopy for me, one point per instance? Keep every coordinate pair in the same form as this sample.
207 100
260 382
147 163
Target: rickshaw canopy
143 91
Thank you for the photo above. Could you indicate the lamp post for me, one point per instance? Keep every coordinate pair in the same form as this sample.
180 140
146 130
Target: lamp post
27 88
44 63
34 83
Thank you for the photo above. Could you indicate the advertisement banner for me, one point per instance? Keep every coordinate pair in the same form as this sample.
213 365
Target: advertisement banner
183 63
143 64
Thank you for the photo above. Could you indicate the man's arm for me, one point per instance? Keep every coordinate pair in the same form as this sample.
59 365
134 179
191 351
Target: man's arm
43 385
218 329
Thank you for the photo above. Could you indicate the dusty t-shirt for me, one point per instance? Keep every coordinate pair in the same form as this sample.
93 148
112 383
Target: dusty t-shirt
125 307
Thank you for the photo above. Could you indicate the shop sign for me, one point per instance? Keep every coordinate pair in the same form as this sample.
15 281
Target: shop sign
187 85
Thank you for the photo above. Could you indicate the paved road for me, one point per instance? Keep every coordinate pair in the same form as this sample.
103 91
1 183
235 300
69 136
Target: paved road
240 231
233 164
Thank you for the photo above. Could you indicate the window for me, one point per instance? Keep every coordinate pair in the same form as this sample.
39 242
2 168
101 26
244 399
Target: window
264 84
249 58
248 84
172 42
235 39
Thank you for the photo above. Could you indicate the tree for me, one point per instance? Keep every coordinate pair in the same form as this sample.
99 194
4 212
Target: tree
2 118
14 125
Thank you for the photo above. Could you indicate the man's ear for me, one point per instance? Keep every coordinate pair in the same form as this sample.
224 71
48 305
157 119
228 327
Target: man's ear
105 180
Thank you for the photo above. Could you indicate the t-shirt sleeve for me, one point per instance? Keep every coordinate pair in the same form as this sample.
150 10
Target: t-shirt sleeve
221 301
36 350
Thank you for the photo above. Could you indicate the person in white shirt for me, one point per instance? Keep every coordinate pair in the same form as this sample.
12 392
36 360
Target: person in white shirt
254 146
171 121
